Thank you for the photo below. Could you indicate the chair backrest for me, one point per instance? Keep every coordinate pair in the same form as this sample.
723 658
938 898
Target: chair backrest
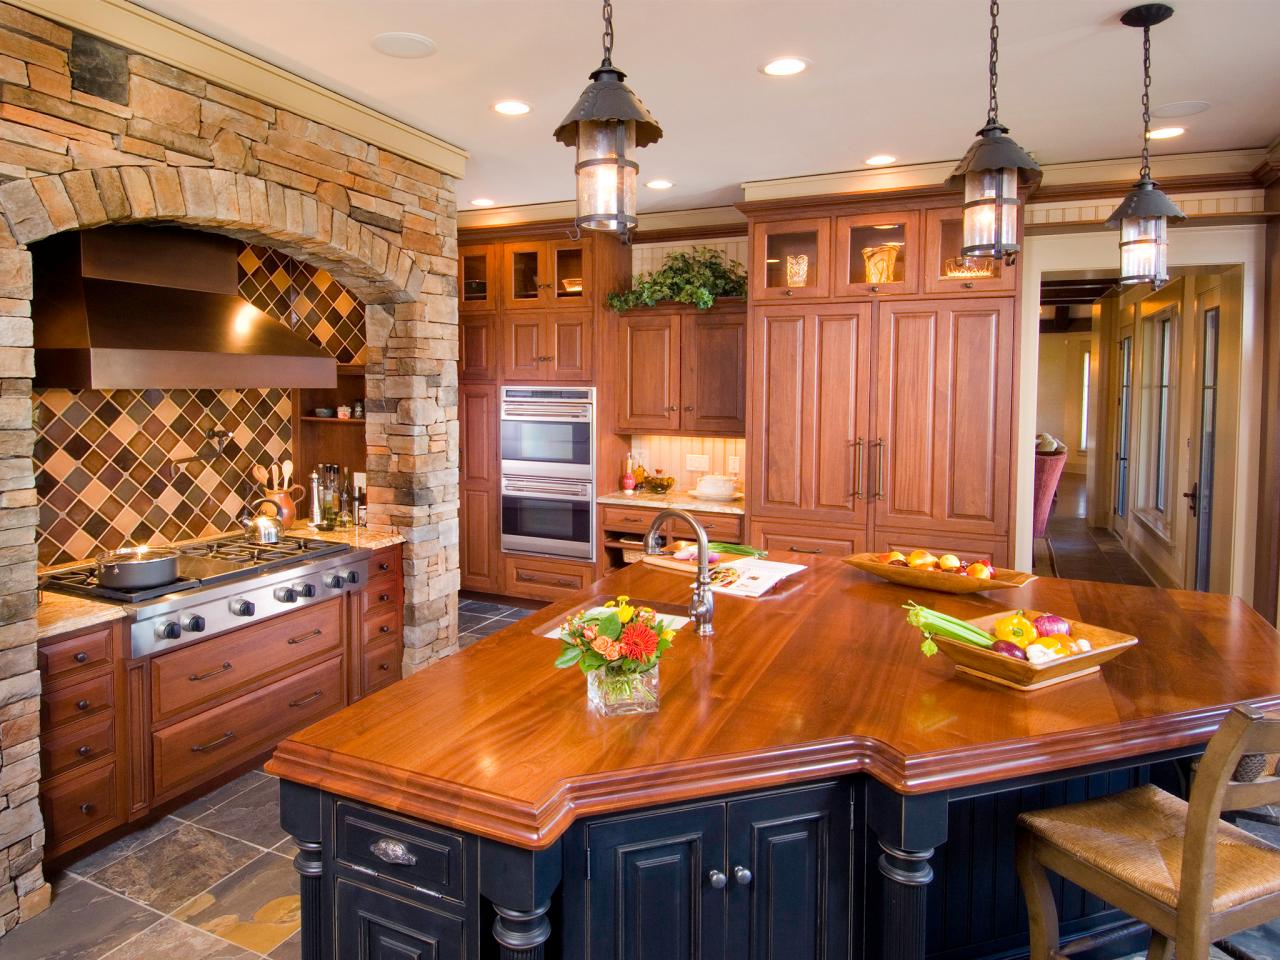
1243 731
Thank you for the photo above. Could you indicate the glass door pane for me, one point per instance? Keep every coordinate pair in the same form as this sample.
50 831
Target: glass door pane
524 275
946 270
1125 405
791 259
1202 501
878 253
570 281
475 277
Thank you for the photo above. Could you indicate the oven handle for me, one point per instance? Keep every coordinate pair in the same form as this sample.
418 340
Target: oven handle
548 416
545 493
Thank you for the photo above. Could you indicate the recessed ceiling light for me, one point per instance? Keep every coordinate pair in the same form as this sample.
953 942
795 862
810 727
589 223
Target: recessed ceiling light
1166 133
511 108
407 46
482 202
785 66
1181 108
881 160
659 184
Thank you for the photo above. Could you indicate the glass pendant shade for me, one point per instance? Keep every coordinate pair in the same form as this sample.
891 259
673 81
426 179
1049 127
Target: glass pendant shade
606 175
1144 250
990 212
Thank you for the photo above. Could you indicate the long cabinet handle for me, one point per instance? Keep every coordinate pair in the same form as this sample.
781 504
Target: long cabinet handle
226 665
214 744
857 468
311 698
305 637
879 445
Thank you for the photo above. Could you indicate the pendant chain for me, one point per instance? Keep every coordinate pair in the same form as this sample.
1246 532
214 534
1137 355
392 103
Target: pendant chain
608 34
992 103
1146 103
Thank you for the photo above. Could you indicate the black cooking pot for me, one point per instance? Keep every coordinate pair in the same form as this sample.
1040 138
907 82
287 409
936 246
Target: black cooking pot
137 568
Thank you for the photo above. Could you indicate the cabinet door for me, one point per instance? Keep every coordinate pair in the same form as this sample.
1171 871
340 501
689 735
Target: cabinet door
478 272
478 488
478 347
945 271
877 253
567 339
651 894
570 268
376 925
526 274
523 346
791 258
788 875
713 391
941 460
650 352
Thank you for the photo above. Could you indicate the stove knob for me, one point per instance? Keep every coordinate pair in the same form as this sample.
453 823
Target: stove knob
305 589
169 630
286 594
243 608
195 623
353 576
335 580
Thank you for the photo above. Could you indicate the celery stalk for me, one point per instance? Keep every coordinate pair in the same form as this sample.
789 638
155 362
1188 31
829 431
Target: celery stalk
933 623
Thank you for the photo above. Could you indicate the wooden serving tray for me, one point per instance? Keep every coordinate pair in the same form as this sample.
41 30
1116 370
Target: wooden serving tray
1023 675
936 579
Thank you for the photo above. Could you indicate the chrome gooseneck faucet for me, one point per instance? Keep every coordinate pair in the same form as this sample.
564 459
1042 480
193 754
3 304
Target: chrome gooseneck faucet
703 604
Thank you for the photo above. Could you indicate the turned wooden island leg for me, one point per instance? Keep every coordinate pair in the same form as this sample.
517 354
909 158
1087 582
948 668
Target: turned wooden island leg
907 828
519 883
300 816
522 934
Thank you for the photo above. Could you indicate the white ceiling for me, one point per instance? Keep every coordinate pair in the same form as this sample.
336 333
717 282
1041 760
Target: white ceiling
906 77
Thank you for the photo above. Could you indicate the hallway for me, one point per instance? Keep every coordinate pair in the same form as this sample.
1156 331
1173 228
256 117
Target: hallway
1080 552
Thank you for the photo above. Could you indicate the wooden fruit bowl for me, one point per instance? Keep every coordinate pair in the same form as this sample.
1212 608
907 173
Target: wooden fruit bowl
937 579
1023 675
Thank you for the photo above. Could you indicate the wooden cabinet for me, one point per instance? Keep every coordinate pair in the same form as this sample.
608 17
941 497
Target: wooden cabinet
549 345
375 924
877 254
721 527
376 647
945 271
478 272
546 273
791 259
545 578
479 489
783 537
478 347
684 371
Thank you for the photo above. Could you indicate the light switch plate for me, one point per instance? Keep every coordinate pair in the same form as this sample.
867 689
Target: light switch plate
735 464
697 461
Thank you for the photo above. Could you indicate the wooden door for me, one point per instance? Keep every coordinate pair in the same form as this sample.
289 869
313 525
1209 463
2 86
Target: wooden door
524 348
480 502
651 895
877 254
477 346
713 370
777 410
566 342
374 924
944 271
526 274
941 451
789 875
791 259
650 354
478 272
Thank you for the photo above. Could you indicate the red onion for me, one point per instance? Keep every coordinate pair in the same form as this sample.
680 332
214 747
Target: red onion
1009 649
1051 625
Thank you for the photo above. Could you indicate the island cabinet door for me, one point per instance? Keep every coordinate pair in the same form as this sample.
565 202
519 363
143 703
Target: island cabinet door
376 925
657 886
789 876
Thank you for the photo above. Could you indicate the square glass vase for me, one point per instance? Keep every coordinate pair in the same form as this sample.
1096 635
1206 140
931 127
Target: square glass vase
621 694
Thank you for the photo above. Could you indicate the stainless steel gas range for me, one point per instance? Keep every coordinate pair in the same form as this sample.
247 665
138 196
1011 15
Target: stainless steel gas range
224 584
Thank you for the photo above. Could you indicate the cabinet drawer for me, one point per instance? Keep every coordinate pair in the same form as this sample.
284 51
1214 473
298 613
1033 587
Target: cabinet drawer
77 744
382 626
234 662
197 747
402 850
81 652
725 527
381 665
382 594
784 539
540 578
628 519
376 925
84 699
384 561
79 806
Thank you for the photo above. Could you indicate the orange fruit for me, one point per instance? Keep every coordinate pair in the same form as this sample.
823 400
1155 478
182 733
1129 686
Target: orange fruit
922 558
980 570
949 561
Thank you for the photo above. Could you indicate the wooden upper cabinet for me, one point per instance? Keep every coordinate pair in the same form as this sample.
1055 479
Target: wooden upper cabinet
547 345
940 457
478 273
791 259
650 355
546 273
522 347
713 372
810 408
945 271
878 254
478 347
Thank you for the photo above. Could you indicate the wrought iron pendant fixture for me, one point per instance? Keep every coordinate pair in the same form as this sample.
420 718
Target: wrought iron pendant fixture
607 125
1143 216
991 173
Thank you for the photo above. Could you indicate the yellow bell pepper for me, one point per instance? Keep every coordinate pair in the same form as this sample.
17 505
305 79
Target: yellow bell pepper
1016 629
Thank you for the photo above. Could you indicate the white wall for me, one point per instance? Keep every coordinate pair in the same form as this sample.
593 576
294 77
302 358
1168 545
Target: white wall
1060 393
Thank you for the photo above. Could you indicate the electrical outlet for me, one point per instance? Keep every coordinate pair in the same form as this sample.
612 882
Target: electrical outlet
735 464
695 462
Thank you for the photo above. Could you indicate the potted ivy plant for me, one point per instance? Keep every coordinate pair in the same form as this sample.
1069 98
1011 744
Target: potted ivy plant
696 277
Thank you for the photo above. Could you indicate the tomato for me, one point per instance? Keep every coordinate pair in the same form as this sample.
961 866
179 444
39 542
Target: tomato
1016 629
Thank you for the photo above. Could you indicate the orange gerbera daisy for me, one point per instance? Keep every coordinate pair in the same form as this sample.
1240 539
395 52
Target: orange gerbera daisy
638 641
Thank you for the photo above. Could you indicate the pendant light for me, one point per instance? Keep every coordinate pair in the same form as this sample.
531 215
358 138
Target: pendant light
607 125
991 173
1143 216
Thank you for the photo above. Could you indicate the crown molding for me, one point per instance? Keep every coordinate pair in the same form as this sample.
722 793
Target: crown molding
141 31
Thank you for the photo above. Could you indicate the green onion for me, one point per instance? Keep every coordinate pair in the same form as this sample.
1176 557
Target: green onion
933 623
737 549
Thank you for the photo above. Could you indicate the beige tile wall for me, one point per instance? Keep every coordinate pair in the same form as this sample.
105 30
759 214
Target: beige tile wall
647 257
668 453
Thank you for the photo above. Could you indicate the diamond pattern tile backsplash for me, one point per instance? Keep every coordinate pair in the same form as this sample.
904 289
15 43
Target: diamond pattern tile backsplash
103 458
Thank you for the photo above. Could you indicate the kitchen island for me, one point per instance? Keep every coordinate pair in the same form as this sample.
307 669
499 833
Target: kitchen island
812 786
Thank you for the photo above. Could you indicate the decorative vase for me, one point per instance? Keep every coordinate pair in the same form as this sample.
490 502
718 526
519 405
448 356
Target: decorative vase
619 693
797 270
880 262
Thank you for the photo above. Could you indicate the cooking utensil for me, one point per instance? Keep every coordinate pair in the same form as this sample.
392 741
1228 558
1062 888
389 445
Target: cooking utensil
939 580
263 528
259 473
275 477
137 568
286 471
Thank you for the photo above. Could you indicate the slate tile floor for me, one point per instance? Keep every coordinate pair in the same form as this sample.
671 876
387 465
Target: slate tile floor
212 881
1082 552
478 618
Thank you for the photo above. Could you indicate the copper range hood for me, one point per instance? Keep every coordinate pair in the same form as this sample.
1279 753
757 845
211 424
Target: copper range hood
158 308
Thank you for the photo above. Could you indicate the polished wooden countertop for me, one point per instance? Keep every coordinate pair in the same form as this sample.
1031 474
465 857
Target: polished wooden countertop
824 677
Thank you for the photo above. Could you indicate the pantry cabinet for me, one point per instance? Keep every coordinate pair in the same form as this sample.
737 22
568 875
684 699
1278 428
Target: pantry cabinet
479 489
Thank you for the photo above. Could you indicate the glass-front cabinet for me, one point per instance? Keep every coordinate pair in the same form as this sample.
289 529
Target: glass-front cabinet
791 258
877 253
946 271
478 278
546 273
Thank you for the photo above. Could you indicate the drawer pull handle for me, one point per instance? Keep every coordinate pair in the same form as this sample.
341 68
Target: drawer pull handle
385 628
384 597
384 566
226 665
87 809
795 549
82 704
305 700
85 750
214 744
392 851
384 666
305 637
81 657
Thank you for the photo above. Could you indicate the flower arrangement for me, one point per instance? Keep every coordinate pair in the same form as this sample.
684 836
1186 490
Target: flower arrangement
618 648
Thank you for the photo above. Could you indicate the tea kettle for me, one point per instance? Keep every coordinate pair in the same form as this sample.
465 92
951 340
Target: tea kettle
262 527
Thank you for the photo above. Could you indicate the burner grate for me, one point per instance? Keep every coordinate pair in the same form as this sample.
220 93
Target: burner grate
84 582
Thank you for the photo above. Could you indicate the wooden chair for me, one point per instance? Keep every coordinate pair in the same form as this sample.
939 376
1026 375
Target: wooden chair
1176 866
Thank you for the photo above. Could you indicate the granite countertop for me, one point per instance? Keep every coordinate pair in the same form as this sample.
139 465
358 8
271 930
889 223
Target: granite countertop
354 537
64 613
675 500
